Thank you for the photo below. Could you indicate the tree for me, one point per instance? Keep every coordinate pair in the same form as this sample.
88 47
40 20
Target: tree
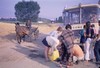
27 10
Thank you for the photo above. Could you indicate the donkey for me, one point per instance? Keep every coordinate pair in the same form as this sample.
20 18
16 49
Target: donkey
22 31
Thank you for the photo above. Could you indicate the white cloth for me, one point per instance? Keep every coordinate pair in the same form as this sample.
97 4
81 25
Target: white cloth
54 34
89 53
77 58
53 42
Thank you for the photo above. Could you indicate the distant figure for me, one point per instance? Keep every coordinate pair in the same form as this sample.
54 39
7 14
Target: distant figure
28 24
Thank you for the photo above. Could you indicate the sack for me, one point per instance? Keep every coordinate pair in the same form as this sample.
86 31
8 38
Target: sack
54 56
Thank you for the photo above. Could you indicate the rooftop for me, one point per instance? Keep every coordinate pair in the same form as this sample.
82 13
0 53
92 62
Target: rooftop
85 5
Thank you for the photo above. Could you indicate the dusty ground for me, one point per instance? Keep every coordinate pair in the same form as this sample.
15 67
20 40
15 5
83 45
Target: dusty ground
27 54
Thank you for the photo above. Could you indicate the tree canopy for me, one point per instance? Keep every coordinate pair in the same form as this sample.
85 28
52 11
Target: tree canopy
27 10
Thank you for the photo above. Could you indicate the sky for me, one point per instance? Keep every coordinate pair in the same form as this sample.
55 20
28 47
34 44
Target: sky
49 9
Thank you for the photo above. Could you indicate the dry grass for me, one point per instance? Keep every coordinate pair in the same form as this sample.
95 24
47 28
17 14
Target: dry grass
7 30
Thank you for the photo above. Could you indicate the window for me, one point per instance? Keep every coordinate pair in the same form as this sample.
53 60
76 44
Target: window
89 14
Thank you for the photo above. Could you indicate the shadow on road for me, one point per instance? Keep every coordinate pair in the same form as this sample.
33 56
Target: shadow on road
35 53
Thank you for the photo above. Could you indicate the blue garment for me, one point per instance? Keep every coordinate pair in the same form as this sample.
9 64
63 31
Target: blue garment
97 50
45 42
82 32
83 38
93 35
88 32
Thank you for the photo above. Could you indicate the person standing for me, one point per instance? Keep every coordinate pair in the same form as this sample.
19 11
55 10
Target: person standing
28 24
97 49
83 37
89 55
